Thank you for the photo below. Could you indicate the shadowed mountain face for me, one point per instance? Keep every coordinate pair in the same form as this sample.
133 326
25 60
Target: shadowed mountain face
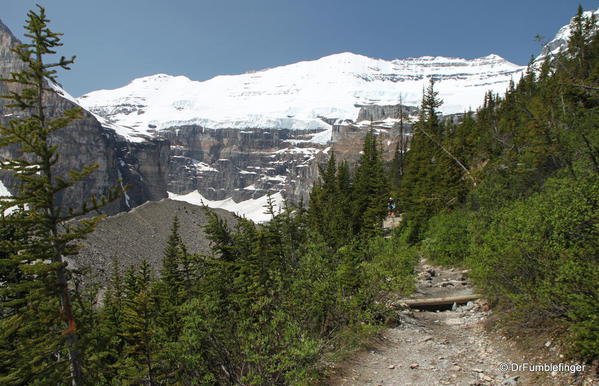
142 166
141 234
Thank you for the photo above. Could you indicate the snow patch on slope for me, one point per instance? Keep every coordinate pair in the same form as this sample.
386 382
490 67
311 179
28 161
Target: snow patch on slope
4 192
323 137
253 209
129 133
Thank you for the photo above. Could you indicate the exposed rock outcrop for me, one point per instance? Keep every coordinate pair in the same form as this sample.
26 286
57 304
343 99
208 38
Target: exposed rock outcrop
379 113
242 164
348 136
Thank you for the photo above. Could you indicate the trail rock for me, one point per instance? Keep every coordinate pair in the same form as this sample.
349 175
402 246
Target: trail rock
512 381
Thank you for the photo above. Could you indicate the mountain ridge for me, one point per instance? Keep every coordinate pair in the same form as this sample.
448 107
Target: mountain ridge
298 95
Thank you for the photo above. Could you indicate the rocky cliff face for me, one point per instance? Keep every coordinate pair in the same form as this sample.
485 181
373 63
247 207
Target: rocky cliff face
246 164
242 164
385 112
142 166
348 135
249 163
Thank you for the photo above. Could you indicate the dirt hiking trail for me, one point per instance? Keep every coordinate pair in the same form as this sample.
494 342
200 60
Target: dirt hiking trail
441 347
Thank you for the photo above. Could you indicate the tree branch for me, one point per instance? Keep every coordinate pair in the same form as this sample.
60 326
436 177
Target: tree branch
451 155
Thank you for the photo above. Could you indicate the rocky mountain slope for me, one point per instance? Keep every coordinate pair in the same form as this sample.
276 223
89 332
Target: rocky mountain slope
118 236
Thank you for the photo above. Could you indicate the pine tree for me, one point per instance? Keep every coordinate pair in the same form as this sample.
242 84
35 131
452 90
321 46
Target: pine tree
50 233
579 47
396 169
11 277
330 211
344 204
370 189
433 177
112 324
170 292
139 327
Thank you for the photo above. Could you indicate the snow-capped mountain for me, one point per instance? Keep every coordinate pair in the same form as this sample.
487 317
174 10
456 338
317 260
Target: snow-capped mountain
298 95
234 138
560 41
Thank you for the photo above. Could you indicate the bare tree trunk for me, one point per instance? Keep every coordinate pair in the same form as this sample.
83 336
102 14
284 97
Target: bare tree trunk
70 332
451 155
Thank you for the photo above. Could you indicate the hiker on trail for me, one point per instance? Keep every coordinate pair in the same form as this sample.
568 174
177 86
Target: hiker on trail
391 207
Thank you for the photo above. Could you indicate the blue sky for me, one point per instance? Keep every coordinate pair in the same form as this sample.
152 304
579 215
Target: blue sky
118 40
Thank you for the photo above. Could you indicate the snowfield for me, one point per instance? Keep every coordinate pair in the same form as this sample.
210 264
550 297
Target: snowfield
298 96
253 209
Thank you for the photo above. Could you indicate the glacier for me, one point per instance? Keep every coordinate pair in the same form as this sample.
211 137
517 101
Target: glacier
300 96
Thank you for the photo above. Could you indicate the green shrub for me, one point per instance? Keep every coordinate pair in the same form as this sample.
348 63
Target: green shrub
391 266
447 240
539 259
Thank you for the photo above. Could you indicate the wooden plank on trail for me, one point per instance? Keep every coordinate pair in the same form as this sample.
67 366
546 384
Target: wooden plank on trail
431 302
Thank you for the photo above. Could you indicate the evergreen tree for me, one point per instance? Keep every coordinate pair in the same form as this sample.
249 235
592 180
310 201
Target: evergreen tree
432 179
46 231
170 289
113 324
579 43
139 328
344 203
370 189
397 166
330 204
